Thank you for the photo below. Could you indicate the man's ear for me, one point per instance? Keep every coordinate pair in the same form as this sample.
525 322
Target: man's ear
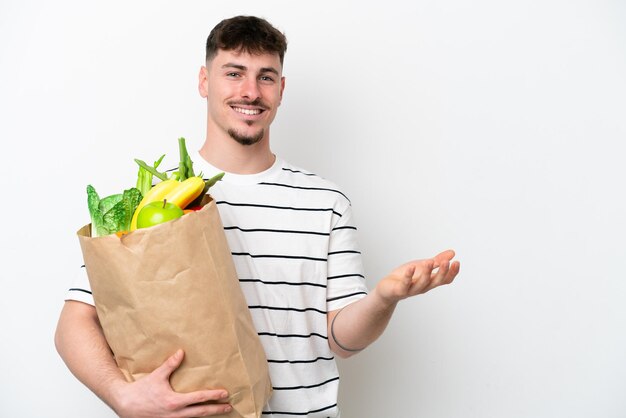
203 82
282 89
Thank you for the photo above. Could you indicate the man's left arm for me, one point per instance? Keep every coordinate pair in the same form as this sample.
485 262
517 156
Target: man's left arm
359 324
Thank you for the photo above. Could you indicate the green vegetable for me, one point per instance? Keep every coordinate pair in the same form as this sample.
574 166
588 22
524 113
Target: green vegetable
185 171
108 202
207 185
185 166
113 213
210 182
151 170
144 177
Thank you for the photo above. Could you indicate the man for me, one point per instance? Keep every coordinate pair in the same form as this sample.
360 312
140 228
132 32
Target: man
292 237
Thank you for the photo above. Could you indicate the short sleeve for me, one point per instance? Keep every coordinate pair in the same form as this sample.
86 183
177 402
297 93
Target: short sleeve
80 290
346 278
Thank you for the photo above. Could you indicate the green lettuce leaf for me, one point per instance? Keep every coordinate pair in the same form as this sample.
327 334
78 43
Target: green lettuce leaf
113 213
108 202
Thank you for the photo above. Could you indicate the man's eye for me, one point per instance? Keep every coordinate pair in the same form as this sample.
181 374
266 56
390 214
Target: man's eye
232 74
266 78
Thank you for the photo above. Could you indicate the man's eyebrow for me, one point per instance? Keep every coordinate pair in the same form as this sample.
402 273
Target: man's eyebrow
269 70
244 68
233 65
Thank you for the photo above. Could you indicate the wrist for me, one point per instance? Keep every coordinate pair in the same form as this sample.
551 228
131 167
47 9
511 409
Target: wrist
117 399
381 301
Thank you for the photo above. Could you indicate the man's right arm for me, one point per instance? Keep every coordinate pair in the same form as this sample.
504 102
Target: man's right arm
81 343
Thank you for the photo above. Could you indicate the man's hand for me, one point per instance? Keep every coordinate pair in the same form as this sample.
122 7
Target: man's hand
82 345
417 277
363 321
152 396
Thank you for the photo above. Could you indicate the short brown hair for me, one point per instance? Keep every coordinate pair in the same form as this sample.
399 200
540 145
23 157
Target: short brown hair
246 33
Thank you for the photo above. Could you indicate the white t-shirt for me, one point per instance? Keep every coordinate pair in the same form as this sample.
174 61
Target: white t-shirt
293 240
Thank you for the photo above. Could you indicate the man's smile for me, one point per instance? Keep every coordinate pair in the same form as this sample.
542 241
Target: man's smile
248 108
245 111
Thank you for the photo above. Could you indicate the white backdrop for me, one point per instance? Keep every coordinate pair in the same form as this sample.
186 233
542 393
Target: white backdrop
495 128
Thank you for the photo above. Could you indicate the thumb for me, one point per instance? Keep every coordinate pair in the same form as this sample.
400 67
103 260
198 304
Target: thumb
409 271
171 364
406 280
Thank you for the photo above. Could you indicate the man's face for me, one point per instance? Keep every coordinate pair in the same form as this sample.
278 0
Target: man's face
243 92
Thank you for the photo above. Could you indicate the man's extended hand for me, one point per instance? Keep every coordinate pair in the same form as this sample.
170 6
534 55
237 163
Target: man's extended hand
417 277
152 396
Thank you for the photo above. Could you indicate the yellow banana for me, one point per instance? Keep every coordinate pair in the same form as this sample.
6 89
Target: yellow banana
158 192
186 192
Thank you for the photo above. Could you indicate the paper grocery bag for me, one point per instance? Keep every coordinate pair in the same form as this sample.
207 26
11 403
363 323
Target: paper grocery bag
174 286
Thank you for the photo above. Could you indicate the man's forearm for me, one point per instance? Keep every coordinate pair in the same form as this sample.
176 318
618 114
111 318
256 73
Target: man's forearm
81 343
362 322
359 324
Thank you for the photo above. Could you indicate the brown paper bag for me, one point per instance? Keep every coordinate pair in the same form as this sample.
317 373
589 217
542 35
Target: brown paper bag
174 286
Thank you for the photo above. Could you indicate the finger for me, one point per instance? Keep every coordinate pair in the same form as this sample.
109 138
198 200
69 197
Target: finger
409 272
167 368
422 277
443 256
406 280
439 277
202 396
207 410
441 271
455 267
451 274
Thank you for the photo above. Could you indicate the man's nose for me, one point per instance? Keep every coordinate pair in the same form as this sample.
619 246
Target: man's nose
250 89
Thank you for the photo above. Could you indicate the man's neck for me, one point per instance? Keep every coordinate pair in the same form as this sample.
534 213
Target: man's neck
228 155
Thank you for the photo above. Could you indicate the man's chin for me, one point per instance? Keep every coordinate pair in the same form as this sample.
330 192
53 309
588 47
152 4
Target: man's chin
246 139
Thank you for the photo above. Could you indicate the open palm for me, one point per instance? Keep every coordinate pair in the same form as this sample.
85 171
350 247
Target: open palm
419 276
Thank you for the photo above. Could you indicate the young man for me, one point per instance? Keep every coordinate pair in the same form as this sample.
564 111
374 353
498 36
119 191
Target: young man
292 237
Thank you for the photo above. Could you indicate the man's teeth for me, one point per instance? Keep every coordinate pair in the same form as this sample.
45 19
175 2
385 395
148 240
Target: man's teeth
247 111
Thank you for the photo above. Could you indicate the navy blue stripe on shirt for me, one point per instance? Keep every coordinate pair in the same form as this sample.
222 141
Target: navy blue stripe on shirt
282 231
304 188
273 334
299 413
293 257
344 276
287 283
75 289
306 386
280 308
345 296
344 252
254 205
299 172
344 227
315 360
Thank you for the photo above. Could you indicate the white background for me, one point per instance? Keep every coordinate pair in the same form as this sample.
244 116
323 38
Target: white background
495 128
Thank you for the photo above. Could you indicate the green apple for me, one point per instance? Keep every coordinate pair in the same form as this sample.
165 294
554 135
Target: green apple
155 213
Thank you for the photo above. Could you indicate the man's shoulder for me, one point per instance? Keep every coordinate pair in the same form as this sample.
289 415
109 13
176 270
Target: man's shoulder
303 179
